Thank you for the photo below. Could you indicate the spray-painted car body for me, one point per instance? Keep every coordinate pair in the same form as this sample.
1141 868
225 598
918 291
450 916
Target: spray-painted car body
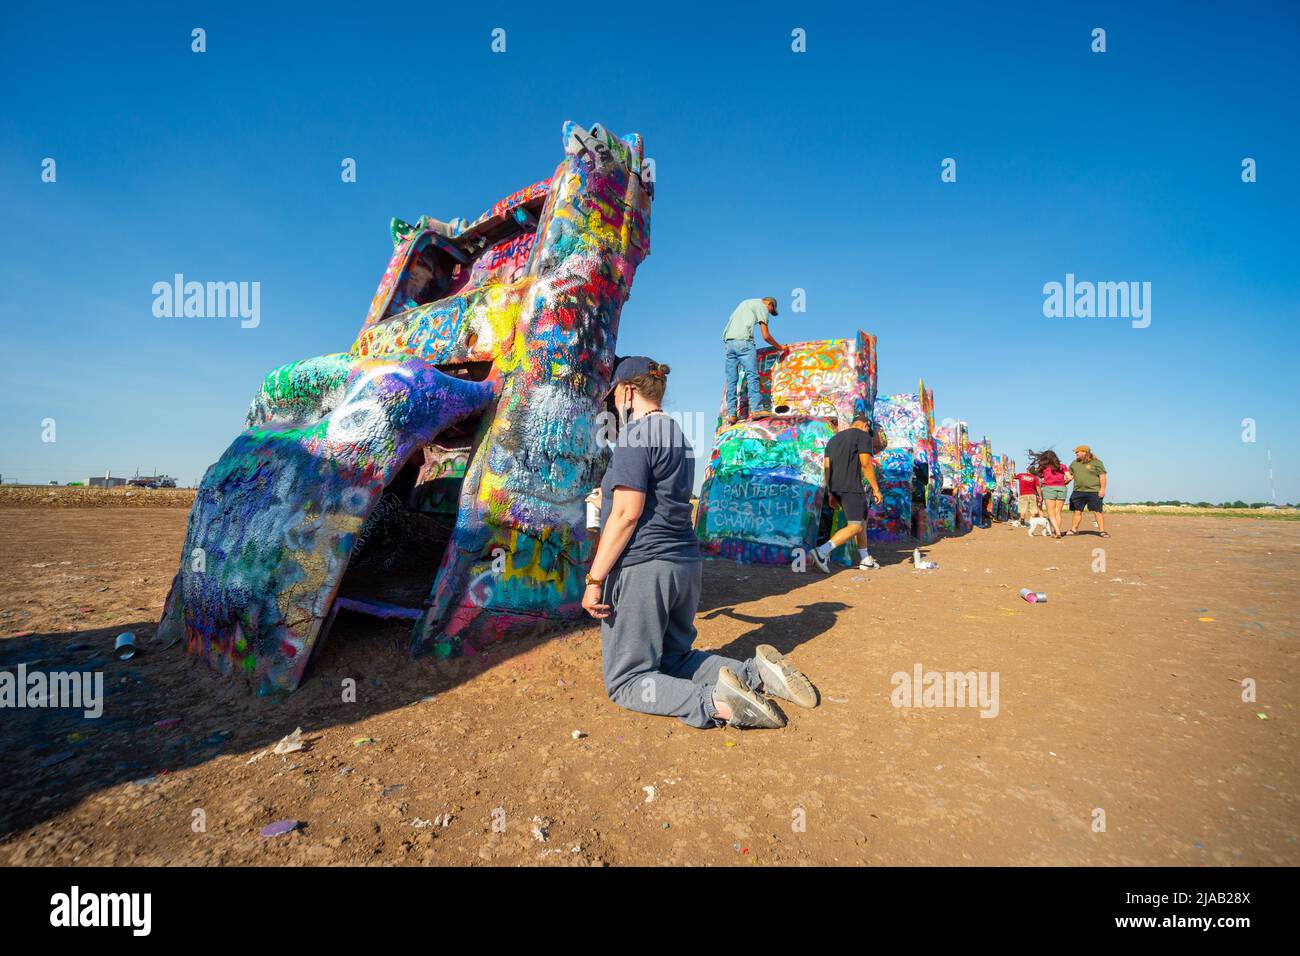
954 509
908 476
1004 494
435 471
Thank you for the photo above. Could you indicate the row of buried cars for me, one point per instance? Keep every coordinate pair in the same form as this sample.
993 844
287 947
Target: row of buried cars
763 499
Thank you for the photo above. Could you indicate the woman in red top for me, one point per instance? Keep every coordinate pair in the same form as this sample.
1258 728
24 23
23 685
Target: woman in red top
1054 477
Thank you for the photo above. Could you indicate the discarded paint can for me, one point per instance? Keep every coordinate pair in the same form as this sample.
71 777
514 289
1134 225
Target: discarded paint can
1028 595
1040 597
124 648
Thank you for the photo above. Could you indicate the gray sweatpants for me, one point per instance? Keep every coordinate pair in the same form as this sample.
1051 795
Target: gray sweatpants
645 644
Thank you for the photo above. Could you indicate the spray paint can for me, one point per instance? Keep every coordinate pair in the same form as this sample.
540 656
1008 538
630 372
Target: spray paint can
1040 597
1028 595
124 647
593 513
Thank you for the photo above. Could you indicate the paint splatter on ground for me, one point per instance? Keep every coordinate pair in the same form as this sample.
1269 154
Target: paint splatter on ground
1113 695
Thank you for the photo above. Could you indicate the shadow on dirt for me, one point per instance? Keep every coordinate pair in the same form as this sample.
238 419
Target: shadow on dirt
164 711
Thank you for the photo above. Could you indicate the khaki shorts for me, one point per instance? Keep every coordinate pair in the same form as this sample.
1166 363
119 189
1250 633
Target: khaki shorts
1027 505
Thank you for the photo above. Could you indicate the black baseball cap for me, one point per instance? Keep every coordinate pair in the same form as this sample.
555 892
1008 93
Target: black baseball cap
630 368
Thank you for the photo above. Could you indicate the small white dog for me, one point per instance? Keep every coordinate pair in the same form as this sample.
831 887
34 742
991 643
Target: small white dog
1041 524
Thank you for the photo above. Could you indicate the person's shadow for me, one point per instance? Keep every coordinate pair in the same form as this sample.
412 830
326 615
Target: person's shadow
785 632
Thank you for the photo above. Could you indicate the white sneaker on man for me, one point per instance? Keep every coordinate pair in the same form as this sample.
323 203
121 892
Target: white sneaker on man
748 708
782 679
822 564
868 563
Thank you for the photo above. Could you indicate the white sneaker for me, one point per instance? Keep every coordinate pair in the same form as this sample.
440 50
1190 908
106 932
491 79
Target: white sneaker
822 564
782 679
868 564
748 708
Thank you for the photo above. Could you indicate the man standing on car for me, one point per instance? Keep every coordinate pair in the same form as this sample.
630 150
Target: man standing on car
848 462
742 352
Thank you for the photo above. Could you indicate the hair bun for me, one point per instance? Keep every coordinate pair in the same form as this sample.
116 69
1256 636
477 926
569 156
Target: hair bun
663 370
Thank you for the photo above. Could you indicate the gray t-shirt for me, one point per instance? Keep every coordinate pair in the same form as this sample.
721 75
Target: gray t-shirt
747 316
652 455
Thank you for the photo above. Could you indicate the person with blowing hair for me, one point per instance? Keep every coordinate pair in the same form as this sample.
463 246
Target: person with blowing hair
1052 479
644 582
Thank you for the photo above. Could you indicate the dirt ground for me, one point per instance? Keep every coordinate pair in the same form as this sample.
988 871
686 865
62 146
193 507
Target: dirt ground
1120 702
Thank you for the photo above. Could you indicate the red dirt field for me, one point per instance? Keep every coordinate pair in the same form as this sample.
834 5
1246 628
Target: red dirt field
1122 694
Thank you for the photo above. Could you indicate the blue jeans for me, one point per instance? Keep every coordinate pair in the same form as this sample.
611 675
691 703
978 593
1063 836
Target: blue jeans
740 354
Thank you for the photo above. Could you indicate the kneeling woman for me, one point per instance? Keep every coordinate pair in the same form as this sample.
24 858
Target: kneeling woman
644 583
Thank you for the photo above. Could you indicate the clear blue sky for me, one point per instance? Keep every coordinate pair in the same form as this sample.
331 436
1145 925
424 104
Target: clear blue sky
776 170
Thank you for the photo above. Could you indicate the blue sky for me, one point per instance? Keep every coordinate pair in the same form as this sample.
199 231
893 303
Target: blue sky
775 171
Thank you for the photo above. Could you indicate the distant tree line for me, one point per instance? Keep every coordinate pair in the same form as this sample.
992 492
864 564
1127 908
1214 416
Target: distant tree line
1208 504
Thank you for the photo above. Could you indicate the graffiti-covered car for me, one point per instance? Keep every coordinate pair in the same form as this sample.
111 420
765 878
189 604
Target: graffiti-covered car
762 500
434 472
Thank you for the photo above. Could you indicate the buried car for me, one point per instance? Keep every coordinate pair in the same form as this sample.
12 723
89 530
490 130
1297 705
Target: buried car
435 472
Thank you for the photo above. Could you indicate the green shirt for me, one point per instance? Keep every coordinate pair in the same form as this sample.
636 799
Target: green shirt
1087 474
748 314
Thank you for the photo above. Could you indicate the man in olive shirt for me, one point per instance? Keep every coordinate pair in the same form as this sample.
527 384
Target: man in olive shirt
741 351
1089 477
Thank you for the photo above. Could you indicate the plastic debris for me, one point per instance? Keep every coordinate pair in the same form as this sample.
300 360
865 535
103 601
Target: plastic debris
289 743
279 828
363 741
650 794
578 734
